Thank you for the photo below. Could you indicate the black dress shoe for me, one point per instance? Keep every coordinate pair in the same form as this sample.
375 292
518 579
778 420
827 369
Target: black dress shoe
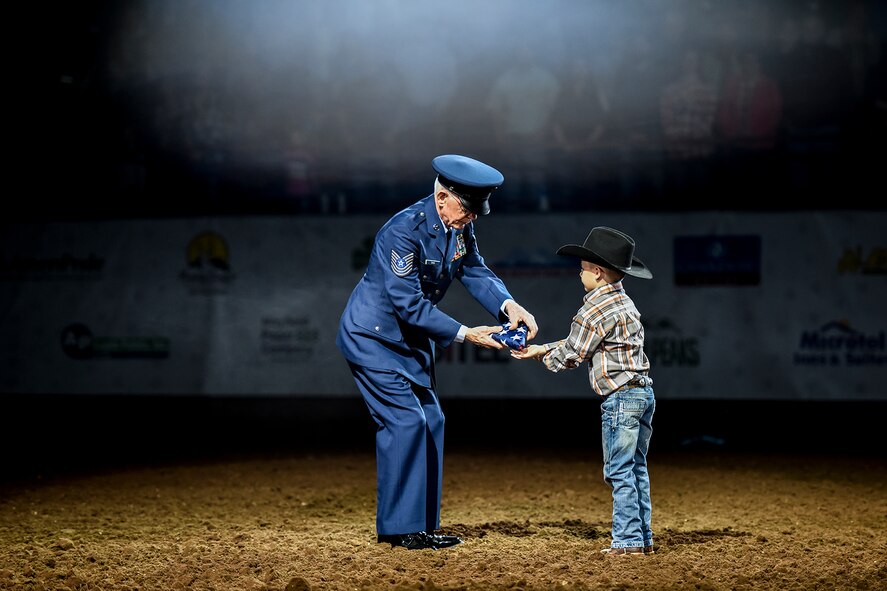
420 540
443 541
415 541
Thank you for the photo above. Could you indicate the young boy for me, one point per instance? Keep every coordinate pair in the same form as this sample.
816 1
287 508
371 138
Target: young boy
607 332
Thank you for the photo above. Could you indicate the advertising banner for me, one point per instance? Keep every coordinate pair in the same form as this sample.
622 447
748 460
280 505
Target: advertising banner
775 306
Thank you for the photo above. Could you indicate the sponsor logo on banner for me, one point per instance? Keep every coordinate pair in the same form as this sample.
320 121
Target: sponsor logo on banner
288 338
856 260
63 267
837 344
666 345
78 342
208 270
717 260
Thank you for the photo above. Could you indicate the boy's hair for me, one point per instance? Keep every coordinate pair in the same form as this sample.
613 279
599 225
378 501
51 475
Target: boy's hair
611 275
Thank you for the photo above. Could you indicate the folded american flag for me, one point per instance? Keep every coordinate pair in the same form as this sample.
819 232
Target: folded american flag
514 338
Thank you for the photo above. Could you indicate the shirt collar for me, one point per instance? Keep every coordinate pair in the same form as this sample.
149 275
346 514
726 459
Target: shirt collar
604 289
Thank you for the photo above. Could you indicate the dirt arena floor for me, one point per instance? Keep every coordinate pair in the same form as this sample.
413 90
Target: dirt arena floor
299 519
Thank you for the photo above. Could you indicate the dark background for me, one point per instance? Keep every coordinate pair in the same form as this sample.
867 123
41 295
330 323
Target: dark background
47 436
168 109
164 108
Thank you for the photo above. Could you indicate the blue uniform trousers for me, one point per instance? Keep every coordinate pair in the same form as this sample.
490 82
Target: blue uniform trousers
409 450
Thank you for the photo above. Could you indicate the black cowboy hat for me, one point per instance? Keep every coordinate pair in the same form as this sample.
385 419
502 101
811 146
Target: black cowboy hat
609 248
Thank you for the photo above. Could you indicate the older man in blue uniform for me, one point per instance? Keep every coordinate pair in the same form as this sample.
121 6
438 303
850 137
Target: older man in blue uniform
389 330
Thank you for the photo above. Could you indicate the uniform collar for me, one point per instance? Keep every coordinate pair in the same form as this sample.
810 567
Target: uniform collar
437 213
435 224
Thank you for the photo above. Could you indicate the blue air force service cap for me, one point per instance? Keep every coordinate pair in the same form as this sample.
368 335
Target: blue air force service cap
468 179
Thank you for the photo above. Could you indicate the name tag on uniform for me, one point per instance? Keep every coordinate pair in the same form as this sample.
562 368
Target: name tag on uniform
431 262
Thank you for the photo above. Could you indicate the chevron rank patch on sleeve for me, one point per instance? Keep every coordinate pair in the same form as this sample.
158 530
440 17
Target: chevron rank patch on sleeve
401 265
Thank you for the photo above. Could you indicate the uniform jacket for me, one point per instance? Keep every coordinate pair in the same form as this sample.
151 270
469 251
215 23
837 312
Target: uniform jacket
391 321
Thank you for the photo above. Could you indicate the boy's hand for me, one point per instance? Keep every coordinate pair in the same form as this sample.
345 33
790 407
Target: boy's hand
529 352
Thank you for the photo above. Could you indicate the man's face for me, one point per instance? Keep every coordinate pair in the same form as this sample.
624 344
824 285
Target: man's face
451 211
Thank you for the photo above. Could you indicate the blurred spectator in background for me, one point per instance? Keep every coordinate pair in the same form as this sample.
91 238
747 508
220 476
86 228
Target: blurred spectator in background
815 82
635 131
520 104
859 42
687 109
367 106
432 77
749 106
747 122
579 123
861 47
301 182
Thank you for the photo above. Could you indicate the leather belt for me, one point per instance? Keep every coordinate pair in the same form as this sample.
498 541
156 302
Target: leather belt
636 382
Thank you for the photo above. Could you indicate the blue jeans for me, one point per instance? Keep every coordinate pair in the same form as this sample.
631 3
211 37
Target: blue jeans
626 427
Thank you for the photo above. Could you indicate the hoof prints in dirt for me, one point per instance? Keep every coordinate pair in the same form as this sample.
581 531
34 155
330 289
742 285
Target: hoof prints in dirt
515 529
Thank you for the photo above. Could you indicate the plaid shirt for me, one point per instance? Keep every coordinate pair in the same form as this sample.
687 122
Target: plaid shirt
606 331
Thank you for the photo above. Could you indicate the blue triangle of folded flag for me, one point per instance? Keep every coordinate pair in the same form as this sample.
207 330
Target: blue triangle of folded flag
515 338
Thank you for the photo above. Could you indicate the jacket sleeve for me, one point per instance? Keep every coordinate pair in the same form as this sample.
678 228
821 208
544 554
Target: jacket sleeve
479 280
400 252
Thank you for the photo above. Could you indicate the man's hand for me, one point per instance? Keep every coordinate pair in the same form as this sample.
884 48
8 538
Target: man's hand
517 313
480 336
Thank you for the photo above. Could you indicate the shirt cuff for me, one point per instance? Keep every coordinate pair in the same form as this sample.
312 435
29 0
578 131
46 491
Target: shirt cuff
548 348
502 307
460 336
